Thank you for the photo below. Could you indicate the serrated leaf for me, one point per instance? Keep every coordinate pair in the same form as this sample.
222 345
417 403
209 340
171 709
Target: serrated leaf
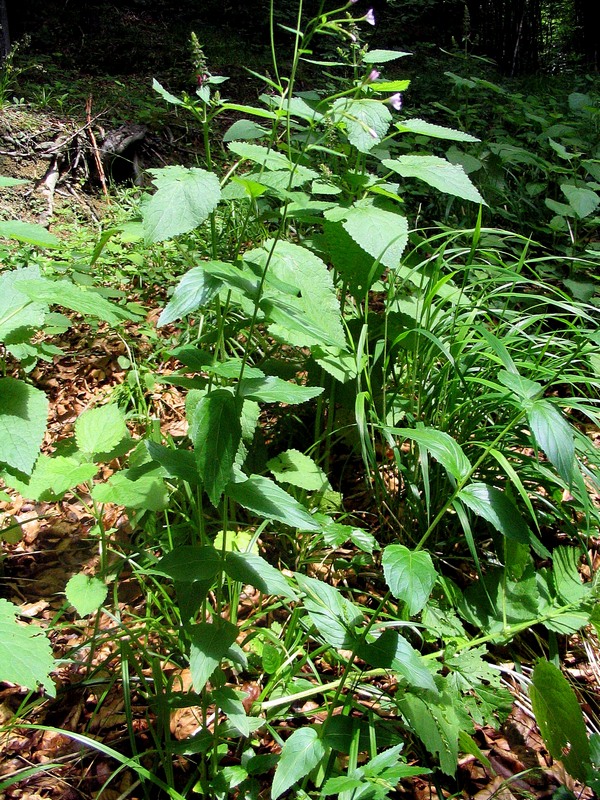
244 129
195 290
52 477
215 431
189 563
251 568
409 575
265 498
565 572
382 56
210 642
270 389
300 754
77 298
333 615
297 469
380 233
437 172
265 156
148 492
392 651
424 128
100 430
498 509
23 415
25 653
28 232
583 201
170 98
183 200
366 121
86 593
437 724
554 436
559 718
442 447
18 310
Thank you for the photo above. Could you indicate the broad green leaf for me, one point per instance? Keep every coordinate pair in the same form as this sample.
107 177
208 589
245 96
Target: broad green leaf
366 121
521 387
52 477
77 298
6 182
437 172
442 447
265 156
251 568
380 233
554 436
216 431
301 753
565 572
176 462
195 290
148 492
423 128
334 617
28 232
271 389
353 263
170 98
189 563
100 430
559 718
583 201
389 86
438 723
409 575
25 653
297 469
18 310
265 498
183 200
498 509
244 129
382 56
210 643
86 593
392 651
23 415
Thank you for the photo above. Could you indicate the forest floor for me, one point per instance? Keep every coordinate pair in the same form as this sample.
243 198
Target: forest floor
57 541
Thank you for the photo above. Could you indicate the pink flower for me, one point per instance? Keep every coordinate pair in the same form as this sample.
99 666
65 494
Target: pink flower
373 75
370 17
396 101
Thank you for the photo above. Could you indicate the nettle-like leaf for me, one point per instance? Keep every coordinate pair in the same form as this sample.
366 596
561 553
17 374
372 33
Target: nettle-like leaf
23 415
583 201
18 310
86 593
25 653
251 568
424 128
334 617
263 497
100 430
259 154
300 754
183 200
210 643
195 290
392 651
437 172
189 563
170 98
270 389
376 56
299 470
560 720
498 509
147 492
28 232
245 129
52 477
366 121
410 575
442 447
77 298
555 437
380 233
216 431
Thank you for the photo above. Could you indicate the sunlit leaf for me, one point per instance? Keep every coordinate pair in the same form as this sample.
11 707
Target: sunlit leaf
25 653
437 172
410 575
301 753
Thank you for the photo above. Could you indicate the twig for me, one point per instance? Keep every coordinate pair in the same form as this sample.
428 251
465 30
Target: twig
96 152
